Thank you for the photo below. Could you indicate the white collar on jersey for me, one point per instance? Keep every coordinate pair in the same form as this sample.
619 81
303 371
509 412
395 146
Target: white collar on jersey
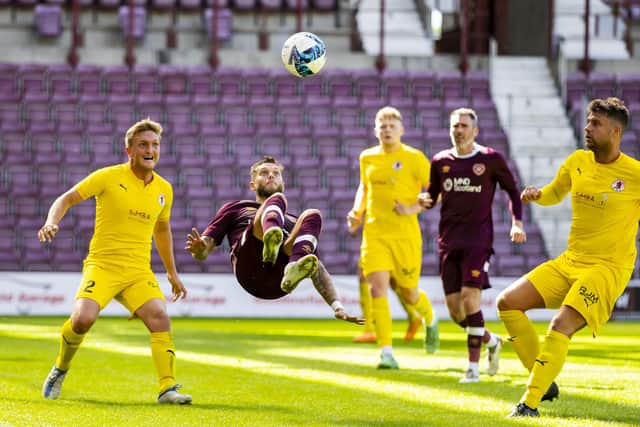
476 148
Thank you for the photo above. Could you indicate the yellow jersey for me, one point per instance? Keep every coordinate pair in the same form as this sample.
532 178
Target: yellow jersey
387 177
127 211
605 200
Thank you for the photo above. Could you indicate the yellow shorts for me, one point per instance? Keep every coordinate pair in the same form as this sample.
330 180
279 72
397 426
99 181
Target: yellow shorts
130 289
402 258
591 288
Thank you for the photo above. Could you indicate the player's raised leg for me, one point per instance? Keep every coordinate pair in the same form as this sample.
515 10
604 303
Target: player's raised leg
302 244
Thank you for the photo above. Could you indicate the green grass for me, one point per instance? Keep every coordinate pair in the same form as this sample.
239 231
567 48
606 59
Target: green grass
305 373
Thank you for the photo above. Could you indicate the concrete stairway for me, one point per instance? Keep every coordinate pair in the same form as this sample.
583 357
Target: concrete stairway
404 34
540 137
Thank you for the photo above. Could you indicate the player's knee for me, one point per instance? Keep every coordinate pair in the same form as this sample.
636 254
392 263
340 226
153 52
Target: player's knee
82 322
309 213
502 302
278 195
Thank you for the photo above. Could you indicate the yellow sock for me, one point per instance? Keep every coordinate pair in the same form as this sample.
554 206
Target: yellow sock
365 304
522 336
423 306
164 358
382 320
69 344
546 367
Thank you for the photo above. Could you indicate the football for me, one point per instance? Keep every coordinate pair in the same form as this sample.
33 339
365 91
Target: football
304 54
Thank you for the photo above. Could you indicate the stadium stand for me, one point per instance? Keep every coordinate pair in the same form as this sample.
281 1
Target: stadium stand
59 122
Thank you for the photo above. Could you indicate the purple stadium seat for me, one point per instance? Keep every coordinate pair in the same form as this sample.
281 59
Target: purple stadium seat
22 181
163 5
144 80
601 85
478 85
45 148
284 85
337 172
225 23
325 4
292 5
173 80
38 116
117 80
270 5
207 110
139 21
89 80
629 87
422 84
9 82
451 84
74 148
340 83
201 80
262 115
61 82
245 5
32 80
190 5
228 84
48 19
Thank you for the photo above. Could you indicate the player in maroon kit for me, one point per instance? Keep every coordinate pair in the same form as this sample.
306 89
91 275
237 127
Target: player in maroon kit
272 251
465 177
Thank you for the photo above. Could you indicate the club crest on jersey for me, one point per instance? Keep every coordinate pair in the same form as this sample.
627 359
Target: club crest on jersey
161 199
479 169
397 165
617 185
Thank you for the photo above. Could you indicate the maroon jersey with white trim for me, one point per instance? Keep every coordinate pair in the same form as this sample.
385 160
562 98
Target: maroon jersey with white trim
233 218
467 186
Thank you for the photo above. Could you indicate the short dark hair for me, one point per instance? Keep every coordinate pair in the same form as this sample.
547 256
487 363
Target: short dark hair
266 159
612 107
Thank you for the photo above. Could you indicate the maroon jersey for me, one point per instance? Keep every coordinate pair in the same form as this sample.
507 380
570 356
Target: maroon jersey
467 185
234 220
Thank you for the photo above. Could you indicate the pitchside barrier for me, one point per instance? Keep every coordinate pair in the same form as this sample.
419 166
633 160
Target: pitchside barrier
219 295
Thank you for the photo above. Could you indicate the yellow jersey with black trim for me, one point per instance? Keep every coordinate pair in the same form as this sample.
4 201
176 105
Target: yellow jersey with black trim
388 177
127 211
605 201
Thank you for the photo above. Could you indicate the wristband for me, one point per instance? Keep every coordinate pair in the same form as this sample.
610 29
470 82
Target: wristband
337 305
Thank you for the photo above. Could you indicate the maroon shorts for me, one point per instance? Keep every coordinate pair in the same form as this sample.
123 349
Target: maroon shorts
260 280
464 267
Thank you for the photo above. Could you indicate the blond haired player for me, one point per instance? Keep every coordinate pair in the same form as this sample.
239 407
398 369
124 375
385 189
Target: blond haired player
133 205
585 281
392 174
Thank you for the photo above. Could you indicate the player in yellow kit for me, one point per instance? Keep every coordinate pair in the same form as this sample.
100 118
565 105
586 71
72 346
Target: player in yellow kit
392 174
133 204
585 281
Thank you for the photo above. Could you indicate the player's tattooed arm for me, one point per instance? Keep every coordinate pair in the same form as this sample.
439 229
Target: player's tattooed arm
324 285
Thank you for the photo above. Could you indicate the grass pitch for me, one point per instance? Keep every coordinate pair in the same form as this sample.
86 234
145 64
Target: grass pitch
256 372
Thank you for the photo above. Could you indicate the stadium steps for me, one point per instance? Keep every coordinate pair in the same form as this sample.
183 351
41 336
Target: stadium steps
540 136
404 34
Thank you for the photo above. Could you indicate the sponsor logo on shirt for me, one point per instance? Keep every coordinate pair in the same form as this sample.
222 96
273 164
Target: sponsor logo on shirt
618 185
461 184
139 214
597 201
397 165
479 169
161 199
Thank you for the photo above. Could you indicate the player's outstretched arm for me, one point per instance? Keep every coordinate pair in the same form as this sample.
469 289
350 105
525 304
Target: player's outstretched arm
324 285
199 246
164 245
56 212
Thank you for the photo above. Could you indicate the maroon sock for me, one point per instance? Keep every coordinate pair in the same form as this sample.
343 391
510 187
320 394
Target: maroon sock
475 334
306 241
273 212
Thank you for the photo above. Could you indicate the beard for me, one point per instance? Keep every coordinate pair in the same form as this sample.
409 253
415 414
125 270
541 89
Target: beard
264 192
